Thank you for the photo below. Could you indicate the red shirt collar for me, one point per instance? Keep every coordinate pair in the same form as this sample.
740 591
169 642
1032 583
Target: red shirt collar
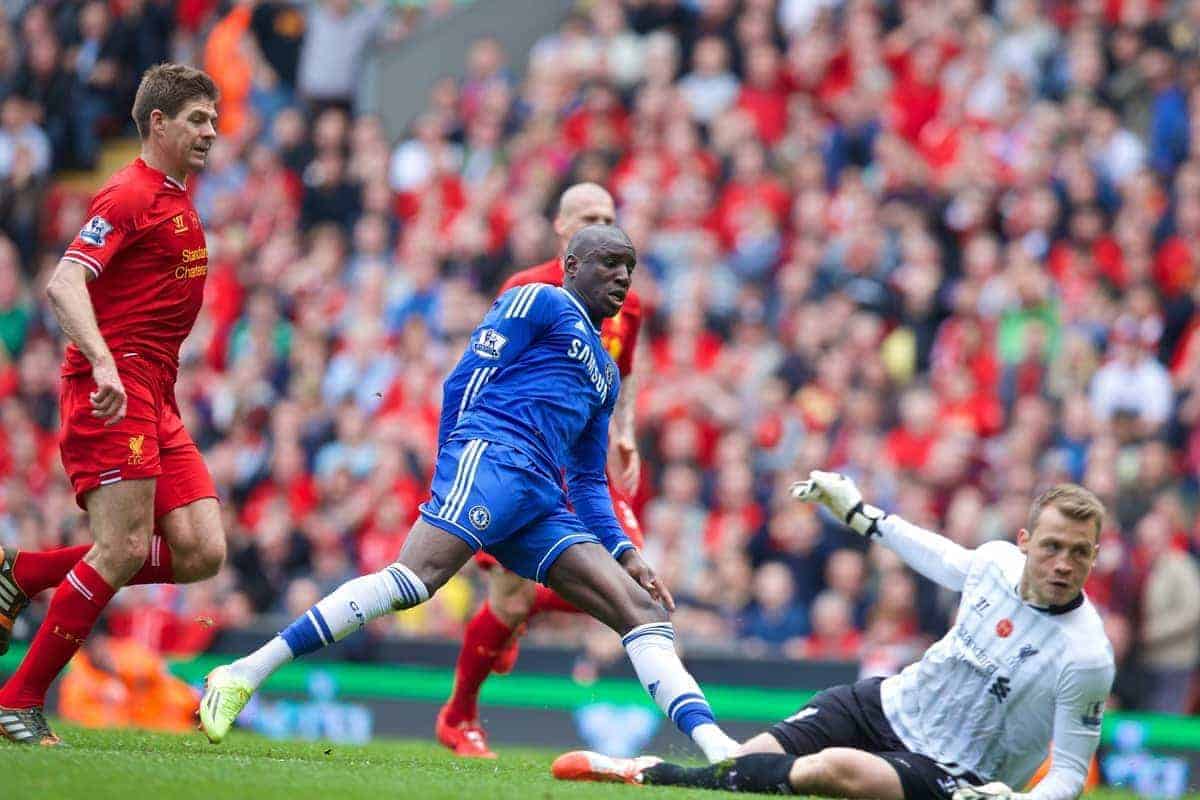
141 164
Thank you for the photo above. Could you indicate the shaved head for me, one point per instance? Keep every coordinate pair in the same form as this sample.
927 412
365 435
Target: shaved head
590 237
582 194
580 205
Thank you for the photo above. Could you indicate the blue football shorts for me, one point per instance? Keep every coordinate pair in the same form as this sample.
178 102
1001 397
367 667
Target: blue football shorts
495 498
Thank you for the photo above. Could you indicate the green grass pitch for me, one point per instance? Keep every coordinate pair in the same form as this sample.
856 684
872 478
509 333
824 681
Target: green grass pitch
132 765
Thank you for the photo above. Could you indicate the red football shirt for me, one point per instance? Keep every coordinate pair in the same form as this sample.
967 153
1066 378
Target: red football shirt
618 333
145 246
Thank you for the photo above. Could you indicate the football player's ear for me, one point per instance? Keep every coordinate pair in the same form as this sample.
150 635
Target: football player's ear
1023 539
570 264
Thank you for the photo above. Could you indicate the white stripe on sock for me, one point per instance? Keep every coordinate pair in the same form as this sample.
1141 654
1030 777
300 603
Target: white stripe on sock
79 587
317 626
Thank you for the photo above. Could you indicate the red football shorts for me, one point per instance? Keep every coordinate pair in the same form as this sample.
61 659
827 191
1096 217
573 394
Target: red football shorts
625 516
150 442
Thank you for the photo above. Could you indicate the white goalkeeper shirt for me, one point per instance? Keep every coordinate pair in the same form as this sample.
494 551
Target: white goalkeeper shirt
1007 679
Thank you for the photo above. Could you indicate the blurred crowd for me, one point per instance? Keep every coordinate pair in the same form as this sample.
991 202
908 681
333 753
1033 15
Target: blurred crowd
949 248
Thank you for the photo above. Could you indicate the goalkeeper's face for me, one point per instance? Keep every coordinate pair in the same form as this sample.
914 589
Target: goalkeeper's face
1060 552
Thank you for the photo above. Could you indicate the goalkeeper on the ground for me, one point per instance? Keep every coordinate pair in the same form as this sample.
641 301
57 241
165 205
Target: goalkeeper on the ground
1026 663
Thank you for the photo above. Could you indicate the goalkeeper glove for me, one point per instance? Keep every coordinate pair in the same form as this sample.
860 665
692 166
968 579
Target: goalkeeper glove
839 494
989 791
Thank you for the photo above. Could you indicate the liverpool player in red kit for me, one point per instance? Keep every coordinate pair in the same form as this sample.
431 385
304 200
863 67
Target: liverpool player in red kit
126 293
490 642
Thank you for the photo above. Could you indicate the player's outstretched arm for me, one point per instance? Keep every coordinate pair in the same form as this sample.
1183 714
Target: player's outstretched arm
1078 711
1079 701
72 305
587 488
934 556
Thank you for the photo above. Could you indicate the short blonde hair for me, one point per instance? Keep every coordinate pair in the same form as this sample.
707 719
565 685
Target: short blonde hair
1073 502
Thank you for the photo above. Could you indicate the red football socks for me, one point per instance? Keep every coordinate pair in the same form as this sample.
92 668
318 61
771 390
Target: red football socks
157 568
485 637
36 571
549 600
74 608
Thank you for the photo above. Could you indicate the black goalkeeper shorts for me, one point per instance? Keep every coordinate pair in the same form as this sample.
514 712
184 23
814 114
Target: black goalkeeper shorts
852 716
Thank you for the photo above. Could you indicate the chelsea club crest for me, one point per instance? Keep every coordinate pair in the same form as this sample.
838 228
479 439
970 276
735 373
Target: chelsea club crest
480 517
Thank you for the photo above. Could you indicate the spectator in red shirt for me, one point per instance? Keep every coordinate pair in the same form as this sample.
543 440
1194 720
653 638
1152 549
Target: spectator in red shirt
834 637
916 94
751 184
909 444
1175 269
762 94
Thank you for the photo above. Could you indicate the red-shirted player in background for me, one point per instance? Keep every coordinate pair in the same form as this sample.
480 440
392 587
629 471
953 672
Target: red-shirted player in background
126 293
490 642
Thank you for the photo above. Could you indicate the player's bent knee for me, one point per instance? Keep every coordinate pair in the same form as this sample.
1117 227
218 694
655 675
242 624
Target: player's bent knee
512 601
197 555
815 773
842 772
216 551
207 558
120 556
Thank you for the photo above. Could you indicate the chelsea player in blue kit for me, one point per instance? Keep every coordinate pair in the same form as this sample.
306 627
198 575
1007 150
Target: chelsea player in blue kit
529 400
